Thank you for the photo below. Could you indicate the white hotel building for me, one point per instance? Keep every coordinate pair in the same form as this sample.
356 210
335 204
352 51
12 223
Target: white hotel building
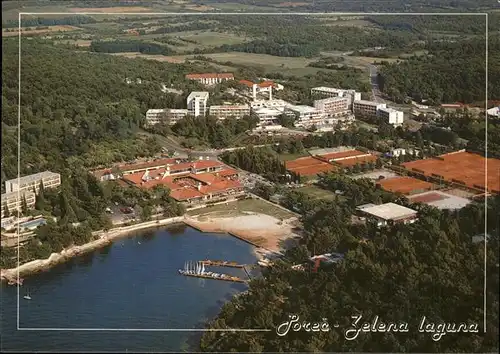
333 106
327 92
307 116
226 111
367 108
13 201
391 116
28 183
197 103
169 115
210 78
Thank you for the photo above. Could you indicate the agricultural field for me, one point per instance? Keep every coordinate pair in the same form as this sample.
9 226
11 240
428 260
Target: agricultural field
26 31
317 192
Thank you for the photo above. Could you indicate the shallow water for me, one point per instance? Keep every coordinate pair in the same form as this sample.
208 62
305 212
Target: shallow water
132 284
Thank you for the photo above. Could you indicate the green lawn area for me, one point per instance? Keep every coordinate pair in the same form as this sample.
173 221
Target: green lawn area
317 192
241 206
289 157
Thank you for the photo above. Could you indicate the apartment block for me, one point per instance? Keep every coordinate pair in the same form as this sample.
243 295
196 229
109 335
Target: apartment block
367 108
155 116
27 183
227 111
267 116
306 116
391 116
13 201
210 78
175 115
333 106
197 103
327 92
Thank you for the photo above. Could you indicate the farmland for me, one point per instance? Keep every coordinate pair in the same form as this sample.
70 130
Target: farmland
26 31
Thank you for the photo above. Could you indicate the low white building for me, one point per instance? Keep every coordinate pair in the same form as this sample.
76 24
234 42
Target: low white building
155 116
175 115
391 116
267 116
384 214
367 108
402 152
333 106
226 111
494 112
197 103
276 103
326 92
210 78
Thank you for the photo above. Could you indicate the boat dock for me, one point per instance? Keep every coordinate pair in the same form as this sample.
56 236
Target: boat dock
222 264
208 276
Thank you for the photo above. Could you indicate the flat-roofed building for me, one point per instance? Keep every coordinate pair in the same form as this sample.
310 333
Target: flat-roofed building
175 115
327 92
494 112
226 111
367 108
275 103
155 116
387 213
391 116
306 116
13 201
197 103
268 116
333 106
28 183
210 78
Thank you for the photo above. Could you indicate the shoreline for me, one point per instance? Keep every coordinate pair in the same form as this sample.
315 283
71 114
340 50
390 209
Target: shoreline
215 225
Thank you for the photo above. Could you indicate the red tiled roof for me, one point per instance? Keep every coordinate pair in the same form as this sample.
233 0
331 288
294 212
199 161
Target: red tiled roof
247 83
210 76
266 84
185 193
145 165
227 172
206 177
220 186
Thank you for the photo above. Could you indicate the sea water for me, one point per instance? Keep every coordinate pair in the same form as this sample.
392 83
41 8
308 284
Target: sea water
108 300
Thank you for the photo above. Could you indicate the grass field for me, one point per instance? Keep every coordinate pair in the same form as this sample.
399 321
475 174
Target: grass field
241 206
317 192
289 157
78 42
117 9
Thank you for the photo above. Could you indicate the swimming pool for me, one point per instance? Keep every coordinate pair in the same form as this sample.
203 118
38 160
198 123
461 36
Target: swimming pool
32 224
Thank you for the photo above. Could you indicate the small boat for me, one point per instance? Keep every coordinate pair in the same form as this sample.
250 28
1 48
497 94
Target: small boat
27 296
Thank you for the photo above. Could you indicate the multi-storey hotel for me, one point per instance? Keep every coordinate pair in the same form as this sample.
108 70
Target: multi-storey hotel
306 116
32 182
167 115
391 116
367 108
333 106
327 92
210 78
226 111
197 103
13 201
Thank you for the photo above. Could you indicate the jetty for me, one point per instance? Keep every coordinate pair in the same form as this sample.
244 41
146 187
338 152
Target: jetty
220 277
222 264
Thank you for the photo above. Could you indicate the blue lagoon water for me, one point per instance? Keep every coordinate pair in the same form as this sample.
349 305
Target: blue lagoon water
133 283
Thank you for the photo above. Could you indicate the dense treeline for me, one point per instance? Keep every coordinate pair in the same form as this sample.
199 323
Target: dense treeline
450 72
327 62
211 131
267 47
44 21
78 109
121 46
193 26
399 273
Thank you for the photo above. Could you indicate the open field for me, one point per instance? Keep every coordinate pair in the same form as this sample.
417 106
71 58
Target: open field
149 56
78 42
33 30
240 207
289 157
363 62
118 9
317 192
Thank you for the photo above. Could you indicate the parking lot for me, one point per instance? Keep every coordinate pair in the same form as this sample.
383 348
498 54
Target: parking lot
117 216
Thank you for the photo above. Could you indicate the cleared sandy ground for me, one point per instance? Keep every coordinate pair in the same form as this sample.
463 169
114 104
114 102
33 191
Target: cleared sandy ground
262 230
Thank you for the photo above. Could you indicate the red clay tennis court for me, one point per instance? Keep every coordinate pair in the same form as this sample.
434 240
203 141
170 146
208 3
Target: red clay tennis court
463 168
427 198
356 160
342 154
405 185
308 166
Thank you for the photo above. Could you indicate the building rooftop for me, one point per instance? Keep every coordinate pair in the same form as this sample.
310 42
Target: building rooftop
210 76
388 109
154 110
242 106
327 89
371 103
389 211
178 110
301 108
198 94
269 111
35 177
495 111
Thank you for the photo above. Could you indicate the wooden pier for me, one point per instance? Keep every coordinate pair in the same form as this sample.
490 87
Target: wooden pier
222 264
226 278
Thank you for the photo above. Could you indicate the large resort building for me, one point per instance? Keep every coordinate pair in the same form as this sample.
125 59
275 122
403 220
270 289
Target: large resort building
210 78
197 103
189 182
227 111
14 200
